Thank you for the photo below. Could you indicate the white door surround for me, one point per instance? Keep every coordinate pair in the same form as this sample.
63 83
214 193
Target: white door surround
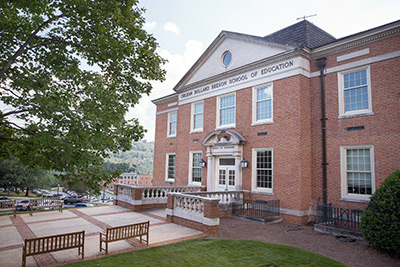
224 144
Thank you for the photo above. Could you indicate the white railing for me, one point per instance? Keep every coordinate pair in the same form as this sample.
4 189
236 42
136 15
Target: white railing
189 203
161 192
225 197
151 194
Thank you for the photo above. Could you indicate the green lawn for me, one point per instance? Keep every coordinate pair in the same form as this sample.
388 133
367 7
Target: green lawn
215 252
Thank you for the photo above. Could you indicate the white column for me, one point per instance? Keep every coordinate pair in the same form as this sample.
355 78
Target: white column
238 171
210 171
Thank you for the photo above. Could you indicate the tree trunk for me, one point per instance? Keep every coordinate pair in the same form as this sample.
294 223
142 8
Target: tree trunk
27 192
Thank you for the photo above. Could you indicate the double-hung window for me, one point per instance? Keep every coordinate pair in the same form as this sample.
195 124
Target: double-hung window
355 92
262 104
172 122
195 168
197 117
357 172
226 111
262 176
170 167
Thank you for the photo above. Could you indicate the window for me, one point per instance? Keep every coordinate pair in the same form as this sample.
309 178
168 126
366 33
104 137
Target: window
355 92
262 176
194 168
170 167
357 172
262 104
226 58
197 117
226 111
172 120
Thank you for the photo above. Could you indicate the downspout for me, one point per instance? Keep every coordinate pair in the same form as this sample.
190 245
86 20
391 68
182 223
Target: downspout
321 63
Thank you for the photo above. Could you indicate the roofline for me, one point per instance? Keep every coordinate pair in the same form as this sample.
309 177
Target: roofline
222 36
165 99
347 40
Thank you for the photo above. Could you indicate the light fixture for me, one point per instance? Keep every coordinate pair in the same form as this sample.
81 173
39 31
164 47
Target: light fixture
202 163
244 163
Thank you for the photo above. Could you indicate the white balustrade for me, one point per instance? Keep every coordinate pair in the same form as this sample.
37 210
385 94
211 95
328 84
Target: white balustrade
225 197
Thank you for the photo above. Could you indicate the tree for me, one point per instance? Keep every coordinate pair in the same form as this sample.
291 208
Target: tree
15 174
59 115
380 221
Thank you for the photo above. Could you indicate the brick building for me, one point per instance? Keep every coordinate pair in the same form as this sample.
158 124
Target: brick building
315 119
132 179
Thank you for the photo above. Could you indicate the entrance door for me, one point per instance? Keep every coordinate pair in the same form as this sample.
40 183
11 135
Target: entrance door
226 174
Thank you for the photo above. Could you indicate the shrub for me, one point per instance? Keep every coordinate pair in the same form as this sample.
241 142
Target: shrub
380 221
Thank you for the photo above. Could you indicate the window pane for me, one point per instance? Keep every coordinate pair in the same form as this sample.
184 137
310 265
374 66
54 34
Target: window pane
227 101
264 110
359 174
198 108
171 166
198 121
264 169
227 162
355 91
227 116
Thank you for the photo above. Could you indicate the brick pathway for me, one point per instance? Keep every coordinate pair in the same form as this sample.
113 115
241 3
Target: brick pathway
24 230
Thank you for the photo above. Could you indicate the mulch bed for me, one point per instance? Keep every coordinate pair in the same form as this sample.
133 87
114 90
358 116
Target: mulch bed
350 251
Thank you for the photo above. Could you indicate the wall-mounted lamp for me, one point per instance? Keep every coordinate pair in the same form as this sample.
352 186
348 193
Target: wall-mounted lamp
202 163
244 163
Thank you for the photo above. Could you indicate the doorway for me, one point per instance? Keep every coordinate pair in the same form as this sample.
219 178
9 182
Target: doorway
226 174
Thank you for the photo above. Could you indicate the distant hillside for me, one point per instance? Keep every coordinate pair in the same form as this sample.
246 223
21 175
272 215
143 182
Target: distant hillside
140 157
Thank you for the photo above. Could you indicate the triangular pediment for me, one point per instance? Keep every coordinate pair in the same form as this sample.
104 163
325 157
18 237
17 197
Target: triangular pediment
245 49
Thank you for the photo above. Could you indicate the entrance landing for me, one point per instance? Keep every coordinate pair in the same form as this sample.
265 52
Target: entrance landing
93 220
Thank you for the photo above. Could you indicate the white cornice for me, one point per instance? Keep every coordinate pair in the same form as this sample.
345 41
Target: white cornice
356 40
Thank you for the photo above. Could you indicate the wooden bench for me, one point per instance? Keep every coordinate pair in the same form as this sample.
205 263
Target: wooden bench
8 205
40 203
47 244
113 234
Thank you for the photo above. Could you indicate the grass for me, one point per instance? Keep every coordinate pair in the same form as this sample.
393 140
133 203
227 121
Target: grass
22 195
215 252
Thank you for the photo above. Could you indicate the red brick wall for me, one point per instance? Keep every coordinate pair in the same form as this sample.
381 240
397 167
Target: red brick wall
382 129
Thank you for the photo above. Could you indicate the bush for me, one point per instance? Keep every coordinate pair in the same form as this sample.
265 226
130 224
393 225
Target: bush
380 221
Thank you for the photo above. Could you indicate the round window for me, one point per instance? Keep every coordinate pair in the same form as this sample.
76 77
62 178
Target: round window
227 58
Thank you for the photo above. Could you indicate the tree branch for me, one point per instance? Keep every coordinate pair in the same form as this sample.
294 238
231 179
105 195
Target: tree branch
13 112
21 50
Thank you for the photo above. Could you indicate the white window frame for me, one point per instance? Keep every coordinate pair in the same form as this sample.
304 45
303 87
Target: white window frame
254 171
343 173
355 113
191 182
169 124
192 129
225 126
167 167
256 121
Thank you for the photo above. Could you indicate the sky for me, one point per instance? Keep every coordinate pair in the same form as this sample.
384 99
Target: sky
185 28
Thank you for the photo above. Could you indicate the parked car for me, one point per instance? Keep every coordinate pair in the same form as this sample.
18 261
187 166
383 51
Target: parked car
80 205
72 200
23 205
4 198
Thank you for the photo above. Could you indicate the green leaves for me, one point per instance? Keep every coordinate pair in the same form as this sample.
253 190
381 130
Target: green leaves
61 116
380 221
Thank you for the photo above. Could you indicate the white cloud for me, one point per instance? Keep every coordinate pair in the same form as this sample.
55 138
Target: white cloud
148 26
172 27
177 66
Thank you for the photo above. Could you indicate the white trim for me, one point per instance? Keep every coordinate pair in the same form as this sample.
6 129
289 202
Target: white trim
167 179
254 171
254 105
172 104
353 55
342 112
190 182
358 63
169 124
167 111
256 76
197 130
343 173
218 122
